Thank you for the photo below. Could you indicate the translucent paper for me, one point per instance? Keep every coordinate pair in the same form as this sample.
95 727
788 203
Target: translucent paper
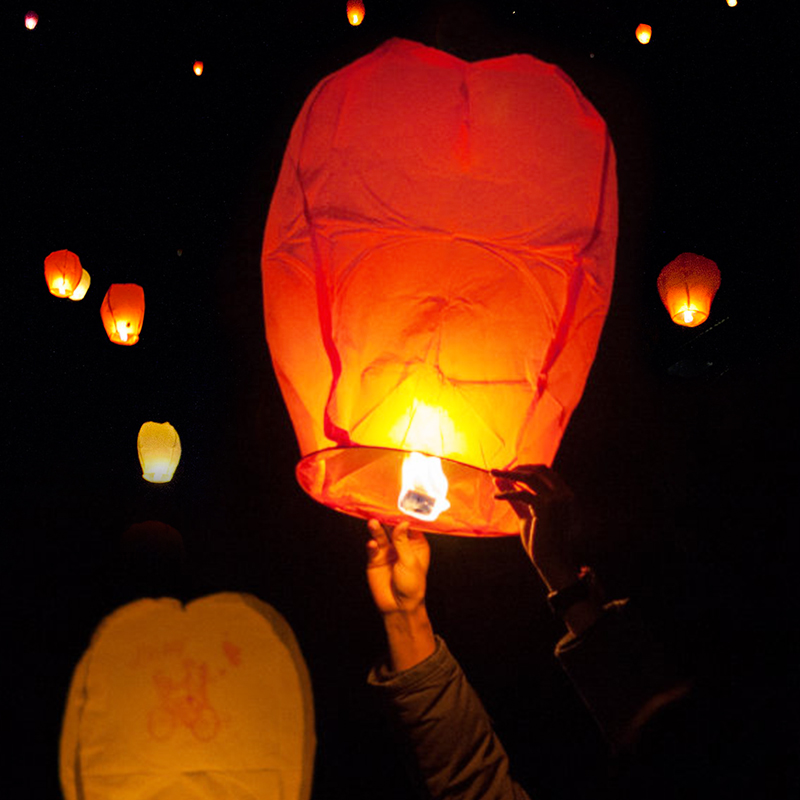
200 702
437 267
687 286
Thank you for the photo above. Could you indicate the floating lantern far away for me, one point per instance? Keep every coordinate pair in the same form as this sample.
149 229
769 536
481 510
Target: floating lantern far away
355 11
63 273
198 67
206 700
123 312
437 268
83 286
643 33
731 3
31 20
159 449
687 286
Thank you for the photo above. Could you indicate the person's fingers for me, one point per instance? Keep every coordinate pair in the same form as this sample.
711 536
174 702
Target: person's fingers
402 546
539 477
378 547
519 496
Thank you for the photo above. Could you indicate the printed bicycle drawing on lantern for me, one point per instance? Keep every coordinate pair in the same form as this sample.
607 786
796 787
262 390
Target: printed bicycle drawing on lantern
183 702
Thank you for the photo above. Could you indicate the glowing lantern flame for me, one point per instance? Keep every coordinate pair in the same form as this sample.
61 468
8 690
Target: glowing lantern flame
355 12
31 20
198 67
731 3
687 286
159 449
423 493
123 312
643 33
63 273
82 287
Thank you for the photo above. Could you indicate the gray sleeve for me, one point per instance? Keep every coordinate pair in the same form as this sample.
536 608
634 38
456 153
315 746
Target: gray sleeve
457 751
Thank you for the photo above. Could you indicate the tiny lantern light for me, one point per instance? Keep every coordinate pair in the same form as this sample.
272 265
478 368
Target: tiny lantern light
355 12
687 286
82 287
63 273
394 267
159 451
123 312
643 33
731 3
198 68
31 20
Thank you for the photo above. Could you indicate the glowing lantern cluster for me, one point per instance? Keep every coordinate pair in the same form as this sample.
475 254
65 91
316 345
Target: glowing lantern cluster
203 701
159 449
123 312
437 267
355 12
687 286
643 33
198 68
31 20
63 273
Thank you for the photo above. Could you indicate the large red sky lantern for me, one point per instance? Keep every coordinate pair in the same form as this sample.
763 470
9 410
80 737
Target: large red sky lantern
437 267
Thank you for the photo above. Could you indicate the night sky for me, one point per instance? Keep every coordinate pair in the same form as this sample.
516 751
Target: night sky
682 451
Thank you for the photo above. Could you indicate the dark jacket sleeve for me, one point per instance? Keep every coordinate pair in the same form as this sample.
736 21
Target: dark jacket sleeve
457 752
621 672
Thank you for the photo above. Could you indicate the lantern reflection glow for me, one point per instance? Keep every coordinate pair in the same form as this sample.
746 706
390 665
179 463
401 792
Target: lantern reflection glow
423 492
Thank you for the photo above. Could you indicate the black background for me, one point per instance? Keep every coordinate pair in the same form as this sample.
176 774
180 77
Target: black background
683 450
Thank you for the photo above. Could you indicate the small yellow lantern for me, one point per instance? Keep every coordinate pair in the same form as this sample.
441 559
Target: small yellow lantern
31 20
732 3
123 312
355 12
82 287
687 286
643 33
63 273
159 451
198 67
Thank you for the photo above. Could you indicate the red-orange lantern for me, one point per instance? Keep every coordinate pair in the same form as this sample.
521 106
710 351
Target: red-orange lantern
687 286
198 702
643 33
437 266
31 20
355 12
123 312
63 273
198 68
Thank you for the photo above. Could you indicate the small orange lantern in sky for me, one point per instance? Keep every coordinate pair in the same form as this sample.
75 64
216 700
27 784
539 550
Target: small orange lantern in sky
204 701
82 287
63 273
159 449
643 33
31 20
687 286
198 67
355 11
123 312
437 267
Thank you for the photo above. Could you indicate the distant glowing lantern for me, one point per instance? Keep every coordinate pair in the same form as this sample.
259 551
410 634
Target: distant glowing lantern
31 20
355 11
159 451
198 67
63 273
687 286
437 268
123 312
731 3
206 700
643 33
82 287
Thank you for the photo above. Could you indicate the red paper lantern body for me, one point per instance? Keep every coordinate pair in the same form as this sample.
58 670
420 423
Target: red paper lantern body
687 286
437 267
63 273
644 33
123 312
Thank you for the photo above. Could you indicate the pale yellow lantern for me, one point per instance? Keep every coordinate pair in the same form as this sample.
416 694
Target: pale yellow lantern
731 3
82 287
159 451
204 701
643 33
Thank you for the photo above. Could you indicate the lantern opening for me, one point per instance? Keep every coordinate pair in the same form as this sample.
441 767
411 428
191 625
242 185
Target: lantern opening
423 492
